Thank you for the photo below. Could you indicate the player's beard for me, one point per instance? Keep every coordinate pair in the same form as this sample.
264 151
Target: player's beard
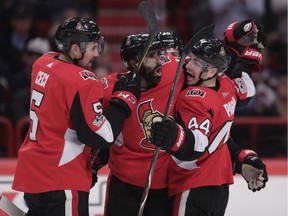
91 65
94 64
87 66
150 75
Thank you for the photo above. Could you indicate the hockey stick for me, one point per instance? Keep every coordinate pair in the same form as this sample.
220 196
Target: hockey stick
10 208
203 33
151 21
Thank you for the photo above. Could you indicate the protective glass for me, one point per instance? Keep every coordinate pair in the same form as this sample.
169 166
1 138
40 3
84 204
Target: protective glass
100 45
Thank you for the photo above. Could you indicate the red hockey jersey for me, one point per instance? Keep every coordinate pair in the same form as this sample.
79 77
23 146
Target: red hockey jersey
131 156
209 114
52 157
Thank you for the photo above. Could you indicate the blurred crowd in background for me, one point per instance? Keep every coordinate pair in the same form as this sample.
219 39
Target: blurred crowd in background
28 27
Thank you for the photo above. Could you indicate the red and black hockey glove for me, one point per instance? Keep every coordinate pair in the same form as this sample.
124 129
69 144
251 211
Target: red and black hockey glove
100 161
167 135
246 39
126 92
253 170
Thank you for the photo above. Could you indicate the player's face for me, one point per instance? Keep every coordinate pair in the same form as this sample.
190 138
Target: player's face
90 54
152 61
152 66
193 69
172 51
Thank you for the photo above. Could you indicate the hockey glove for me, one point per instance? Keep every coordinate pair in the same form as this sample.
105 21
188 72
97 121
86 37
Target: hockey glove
246 41
94 175
253 170
126 92
100 161
167 135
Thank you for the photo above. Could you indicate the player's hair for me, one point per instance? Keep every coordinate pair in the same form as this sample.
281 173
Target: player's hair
132 47
80 31
213 52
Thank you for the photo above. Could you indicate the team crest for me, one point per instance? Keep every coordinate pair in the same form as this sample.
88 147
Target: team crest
79 26
146 116
128 42
196 93
222 51
165 59
88 75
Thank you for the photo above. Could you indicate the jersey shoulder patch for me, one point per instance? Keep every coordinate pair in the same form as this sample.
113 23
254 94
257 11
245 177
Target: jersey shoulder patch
85 74
240 84
104 82
196 93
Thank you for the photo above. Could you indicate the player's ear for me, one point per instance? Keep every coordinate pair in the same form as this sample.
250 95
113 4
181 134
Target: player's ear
213 71
75 51
133 63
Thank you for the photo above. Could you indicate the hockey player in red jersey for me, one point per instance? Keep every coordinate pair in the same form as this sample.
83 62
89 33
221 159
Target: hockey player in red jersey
201 170
131 155
67 119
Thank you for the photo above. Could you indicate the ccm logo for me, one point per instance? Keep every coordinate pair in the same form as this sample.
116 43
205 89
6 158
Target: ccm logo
181 137
127 97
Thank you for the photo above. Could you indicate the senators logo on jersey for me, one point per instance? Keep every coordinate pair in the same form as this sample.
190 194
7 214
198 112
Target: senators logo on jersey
146 116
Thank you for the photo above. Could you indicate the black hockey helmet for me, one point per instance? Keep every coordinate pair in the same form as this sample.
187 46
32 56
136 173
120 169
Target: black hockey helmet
212 51
169 39
78 30
132 46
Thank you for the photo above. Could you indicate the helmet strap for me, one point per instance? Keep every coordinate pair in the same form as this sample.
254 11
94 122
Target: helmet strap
74 60
83 53
202 80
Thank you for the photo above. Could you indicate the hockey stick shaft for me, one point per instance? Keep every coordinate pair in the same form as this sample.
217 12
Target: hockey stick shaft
10 208
203 33
94 155
151 21
186 50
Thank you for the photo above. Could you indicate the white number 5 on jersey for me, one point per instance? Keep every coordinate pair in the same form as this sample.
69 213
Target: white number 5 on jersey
37 97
